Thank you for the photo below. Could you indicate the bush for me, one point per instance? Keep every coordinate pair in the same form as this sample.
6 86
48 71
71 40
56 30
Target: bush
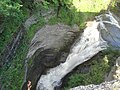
9 8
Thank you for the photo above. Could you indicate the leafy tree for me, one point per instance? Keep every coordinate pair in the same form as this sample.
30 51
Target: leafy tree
10 8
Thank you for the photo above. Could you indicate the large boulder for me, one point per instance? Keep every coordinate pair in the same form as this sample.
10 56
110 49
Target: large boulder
48 48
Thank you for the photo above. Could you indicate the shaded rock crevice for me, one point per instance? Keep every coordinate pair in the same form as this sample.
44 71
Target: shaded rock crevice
49 47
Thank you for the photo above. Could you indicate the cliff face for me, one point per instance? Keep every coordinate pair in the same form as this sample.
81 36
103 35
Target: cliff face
48 48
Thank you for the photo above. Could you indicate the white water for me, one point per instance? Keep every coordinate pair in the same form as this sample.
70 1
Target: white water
91 42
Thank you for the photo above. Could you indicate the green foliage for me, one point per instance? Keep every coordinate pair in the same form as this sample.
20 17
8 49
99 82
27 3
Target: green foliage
56 3
99 67
71 17
7 34
11 14
71 12
10 8
12 75
35 27
78 11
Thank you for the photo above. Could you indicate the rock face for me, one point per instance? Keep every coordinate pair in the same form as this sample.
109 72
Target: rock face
48 48
112 85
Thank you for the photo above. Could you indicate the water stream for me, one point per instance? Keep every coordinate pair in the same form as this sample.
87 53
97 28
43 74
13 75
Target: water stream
96 37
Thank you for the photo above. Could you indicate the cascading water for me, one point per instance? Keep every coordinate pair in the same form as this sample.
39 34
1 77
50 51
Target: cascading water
94 39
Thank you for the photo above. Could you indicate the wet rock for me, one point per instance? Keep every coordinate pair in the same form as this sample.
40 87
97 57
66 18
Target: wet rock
48 48
112 85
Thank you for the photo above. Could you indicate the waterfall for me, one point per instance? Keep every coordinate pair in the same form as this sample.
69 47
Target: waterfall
97 37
